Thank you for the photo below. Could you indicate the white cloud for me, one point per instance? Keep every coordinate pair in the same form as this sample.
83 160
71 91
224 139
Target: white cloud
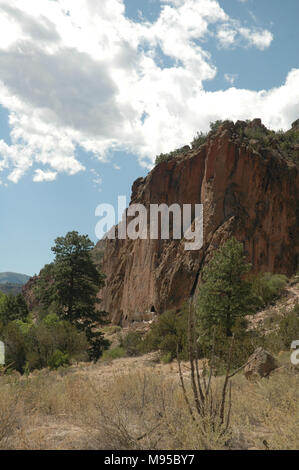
96 179
259 39
226 36
231 77
233 34
41 175
81 73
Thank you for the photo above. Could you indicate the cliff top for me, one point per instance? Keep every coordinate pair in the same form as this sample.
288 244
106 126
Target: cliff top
251 134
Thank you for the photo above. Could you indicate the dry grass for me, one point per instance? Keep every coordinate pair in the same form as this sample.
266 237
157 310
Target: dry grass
10 413
120 406
267 413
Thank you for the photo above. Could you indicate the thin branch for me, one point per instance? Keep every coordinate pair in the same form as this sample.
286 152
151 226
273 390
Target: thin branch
240 368
183 386
226 380
211 363
229 407
191 360
148 432
202 397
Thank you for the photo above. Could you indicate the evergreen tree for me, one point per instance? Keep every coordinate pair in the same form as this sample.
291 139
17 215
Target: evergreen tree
12 308
71 284
225 294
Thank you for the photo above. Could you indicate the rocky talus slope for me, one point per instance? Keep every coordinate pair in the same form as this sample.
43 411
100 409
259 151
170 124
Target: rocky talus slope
248 184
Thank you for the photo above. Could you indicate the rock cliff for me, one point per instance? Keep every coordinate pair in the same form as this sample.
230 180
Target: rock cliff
248 182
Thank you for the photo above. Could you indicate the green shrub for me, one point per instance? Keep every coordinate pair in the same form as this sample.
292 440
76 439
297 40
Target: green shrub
164 157
255 133
245 342
111 329
214 126
132 343
268 287
43 340
198 140
166 358
51 320
32 346
284 142
15 346
287 143
114 353
168 332
285 333
171 329
58 359
289 327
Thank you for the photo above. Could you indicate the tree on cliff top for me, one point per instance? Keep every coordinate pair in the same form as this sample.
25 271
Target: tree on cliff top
71 283
225 294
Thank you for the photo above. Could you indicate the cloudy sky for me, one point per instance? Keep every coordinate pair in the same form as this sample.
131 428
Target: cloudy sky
91 91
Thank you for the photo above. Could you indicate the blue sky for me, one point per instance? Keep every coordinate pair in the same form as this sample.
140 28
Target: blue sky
91 91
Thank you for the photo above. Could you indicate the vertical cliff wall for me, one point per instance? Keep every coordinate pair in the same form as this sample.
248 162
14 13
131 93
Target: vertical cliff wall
247 190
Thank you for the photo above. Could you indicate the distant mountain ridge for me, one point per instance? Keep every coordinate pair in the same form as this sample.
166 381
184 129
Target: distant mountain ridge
13 278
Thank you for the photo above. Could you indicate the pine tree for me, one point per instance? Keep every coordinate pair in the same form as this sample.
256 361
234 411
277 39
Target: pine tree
70 285
12 308
225 294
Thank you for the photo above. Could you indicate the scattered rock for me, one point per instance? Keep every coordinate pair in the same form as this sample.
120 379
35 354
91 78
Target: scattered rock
259 364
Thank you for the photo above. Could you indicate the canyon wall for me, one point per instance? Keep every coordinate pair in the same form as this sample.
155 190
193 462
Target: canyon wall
247 191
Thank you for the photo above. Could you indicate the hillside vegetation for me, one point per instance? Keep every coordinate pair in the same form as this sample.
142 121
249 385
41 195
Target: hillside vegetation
251 134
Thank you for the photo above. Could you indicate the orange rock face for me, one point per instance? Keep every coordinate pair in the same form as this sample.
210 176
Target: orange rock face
248 192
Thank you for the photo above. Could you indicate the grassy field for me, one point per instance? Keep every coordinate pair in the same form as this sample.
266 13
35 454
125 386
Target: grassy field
137 403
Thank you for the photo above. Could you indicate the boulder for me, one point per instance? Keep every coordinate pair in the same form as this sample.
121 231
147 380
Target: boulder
260 364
